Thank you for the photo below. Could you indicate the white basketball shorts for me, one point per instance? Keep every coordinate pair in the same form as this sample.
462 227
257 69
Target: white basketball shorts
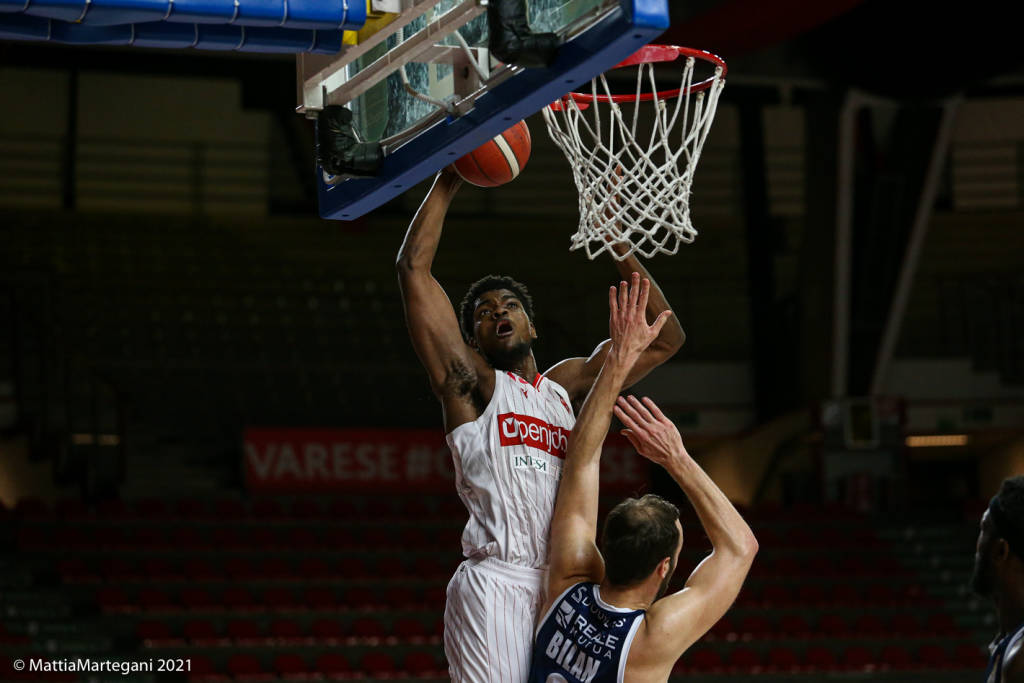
489 621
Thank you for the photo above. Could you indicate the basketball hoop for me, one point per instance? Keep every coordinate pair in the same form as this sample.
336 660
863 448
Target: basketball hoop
637 192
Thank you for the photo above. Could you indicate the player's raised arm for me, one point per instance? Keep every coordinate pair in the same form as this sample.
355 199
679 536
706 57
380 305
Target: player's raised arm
577 375
677 621
573 555
452 366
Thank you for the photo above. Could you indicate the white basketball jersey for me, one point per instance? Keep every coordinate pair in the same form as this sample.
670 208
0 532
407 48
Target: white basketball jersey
507 466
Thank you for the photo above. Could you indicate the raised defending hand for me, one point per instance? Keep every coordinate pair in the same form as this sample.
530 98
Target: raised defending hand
653 435
627 322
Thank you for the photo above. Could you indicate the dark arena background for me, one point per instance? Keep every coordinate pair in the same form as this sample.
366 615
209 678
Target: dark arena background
219 449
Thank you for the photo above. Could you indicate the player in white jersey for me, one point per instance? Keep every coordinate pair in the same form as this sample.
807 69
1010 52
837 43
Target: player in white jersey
508 428
603 619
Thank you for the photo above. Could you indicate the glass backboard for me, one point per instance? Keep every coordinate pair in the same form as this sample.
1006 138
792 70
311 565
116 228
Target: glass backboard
426 86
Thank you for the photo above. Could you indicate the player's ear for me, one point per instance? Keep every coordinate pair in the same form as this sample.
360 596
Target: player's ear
1000 550
664 567
533 331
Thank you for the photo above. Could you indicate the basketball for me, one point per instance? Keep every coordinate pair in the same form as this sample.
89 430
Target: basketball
498 160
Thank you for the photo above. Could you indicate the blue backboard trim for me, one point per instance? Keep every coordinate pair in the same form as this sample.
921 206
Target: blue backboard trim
634 24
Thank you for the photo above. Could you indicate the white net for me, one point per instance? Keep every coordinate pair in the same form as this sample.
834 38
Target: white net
634 175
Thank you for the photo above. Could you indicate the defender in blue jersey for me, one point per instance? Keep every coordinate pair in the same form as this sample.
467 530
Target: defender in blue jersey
999 575
605 620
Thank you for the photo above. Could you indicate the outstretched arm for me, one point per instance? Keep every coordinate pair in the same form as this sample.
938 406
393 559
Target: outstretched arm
577 375
677 621
454 369
573 555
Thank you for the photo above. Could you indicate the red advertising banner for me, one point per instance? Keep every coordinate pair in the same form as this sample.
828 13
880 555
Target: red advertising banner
374 460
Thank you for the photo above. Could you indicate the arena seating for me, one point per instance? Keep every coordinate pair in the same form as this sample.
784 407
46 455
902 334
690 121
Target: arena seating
278 589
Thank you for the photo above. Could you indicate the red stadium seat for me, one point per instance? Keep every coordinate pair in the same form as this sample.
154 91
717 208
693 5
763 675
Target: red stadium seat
377 663
304 539
410 629
880 594
362 598
202 670
291 665
390 567
820 566
401 597
858 658
435 595
197 599
775 594
831 625
228 509
327 629
246 667
115 570
200 570
783 659
844 594
896 657
429 567
794 626
811 594
230 538
904 624
420 663
186 538
267 508
341 510
332 665
239 568
380 508
452 507
238 599
75 570
286 631
154 599
941 624
368 627
704 660
967 656
305 508
869 625
266 538
743 659
155 632
244 631
201 632
722 628
319 598
934 657
274 568
754 625
278 598
314 568
819 658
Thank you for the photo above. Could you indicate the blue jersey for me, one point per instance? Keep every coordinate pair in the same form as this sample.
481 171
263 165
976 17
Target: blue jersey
994 672
583 639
